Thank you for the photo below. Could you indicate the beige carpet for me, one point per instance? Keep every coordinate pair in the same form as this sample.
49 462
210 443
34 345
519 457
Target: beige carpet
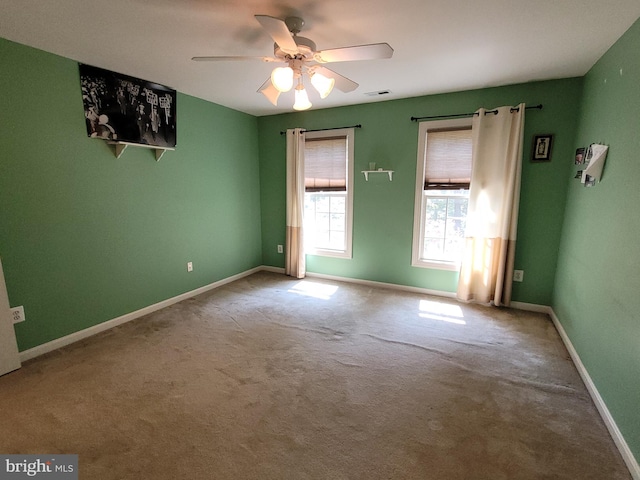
274 378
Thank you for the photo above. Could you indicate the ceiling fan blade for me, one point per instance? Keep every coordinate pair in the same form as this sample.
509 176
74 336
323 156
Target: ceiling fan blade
269 91
342 83
374 51
233 58
278 30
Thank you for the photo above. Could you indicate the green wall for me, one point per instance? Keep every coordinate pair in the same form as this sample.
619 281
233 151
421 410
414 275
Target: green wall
597 294
86 237
383 210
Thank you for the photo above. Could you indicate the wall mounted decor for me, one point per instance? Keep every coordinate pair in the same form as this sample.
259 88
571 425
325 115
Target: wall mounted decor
541 150
596 156
120 108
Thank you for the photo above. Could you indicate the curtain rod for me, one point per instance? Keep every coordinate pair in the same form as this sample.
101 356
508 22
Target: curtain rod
455 115
323 129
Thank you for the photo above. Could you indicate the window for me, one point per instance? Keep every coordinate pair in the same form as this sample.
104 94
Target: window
442 193
328 198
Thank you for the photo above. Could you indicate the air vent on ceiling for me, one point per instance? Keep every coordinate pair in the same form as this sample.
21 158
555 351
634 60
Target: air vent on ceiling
377 94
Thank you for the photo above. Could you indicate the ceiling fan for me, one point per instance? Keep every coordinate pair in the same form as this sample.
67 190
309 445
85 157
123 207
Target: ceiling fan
300 57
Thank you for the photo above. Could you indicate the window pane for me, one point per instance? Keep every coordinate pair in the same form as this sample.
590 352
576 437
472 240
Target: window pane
325 220
436 215
338 203
456 217
445 219
322 221
433 248
455 228
337 241
337 222
453 248
322 203
321 239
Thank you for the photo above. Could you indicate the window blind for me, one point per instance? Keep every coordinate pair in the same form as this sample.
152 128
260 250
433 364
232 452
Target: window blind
448 159
325 164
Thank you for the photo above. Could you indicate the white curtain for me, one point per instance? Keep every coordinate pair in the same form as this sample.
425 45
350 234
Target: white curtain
494 195
294 264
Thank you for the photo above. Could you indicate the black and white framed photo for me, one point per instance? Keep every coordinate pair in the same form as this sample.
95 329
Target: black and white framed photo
121 108
589 155
542 148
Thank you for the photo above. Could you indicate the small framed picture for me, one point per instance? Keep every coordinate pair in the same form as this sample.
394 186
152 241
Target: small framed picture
580 156
587 158
542 148
589 181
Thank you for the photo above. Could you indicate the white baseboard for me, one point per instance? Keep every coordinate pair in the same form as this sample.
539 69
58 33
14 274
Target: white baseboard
268 268
614 431
114 322
531 307
392 286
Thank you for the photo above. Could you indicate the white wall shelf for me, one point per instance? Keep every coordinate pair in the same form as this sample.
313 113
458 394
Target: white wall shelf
120 147
388 172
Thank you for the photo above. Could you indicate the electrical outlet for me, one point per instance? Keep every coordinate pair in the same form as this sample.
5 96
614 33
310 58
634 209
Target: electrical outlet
280 250
518 275
17 314
189 266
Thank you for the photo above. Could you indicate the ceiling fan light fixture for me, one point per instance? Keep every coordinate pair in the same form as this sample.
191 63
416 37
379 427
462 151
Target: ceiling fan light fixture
282 78
322 84
271 92
302 99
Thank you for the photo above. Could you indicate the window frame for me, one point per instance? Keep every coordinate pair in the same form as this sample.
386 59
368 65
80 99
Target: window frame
418 211
349 133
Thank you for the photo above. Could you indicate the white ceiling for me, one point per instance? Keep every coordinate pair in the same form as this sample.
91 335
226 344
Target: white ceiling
440 45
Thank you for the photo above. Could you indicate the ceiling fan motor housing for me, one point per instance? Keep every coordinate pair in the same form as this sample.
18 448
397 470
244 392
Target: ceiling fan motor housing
294 24
306 49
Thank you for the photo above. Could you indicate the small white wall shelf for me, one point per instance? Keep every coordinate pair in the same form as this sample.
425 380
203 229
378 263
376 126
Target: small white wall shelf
388 172
120 147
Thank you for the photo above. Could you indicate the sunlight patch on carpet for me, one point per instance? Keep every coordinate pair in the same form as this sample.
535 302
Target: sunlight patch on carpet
443 312
313 289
